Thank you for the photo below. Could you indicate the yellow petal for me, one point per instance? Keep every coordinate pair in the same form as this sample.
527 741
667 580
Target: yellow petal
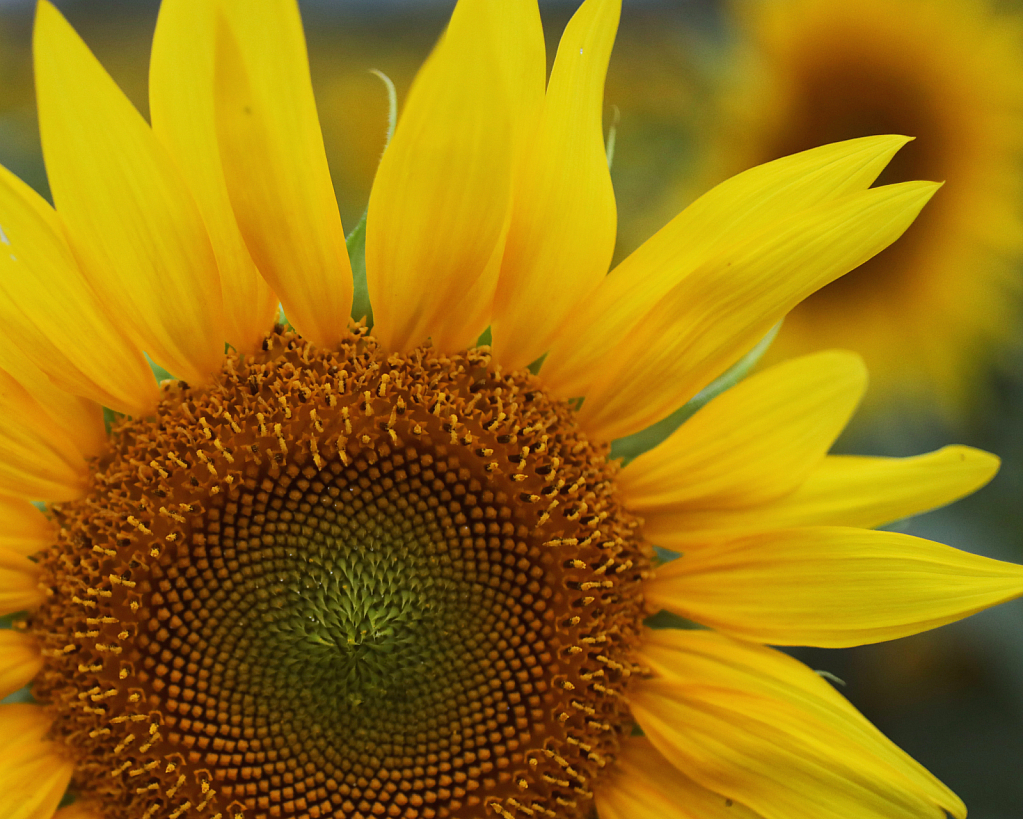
721 309
23 528
843 490
38 460
830 586
697 661
80 419
753 725
181 107
644 785
130 218
19 582
563 222
725 216
52 314
34 775
20 661
275 167
439 207
22 727
753 443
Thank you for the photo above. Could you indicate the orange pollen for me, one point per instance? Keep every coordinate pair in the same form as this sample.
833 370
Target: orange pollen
340 583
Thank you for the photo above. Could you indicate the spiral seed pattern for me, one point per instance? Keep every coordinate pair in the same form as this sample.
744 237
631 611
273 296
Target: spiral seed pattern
344 584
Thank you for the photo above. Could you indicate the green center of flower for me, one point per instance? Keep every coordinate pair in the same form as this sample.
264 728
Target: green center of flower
357 607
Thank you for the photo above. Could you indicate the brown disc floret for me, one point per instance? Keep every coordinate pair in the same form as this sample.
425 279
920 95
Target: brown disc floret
344 584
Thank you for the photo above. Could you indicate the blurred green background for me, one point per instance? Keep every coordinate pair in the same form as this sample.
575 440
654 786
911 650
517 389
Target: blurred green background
697 90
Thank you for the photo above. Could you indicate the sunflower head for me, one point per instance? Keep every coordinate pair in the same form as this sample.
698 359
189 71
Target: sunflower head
328 548
332 570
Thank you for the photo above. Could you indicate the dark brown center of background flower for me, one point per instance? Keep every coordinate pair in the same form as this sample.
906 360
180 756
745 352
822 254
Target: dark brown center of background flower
344 584
851 94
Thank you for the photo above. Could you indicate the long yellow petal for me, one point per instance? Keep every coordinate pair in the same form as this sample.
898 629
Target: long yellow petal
843 490
38 460
51 313
563 223
181 107
20 661
644 785
439 208
720 310
754 443
80 419
275 166
23 528
747 725
34 775
830 586
130 217
19 582
725 216
698 661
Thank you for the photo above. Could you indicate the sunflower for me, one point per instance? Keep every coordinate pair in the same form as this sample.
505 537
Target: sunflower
335 571
930 314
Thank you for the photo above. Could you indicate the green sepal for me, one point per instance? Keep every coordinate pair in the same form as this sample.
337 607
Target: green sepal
158 372
356 240
111 417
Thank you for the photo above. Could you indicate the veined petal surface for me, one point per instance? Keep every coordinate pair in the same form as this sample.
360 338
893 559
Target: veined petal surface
843 490
754 442
644 785
181 102
33 774
53 315
761 728
724 307
79 419
830 586
564 218
725 216
275 167
439 208
20 661
23 528
131 220
19 582
38 460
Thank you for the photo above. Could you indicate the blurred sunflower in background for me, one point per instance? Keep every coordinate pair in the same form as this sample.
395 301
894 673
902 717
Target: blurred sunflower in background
333 569
931 314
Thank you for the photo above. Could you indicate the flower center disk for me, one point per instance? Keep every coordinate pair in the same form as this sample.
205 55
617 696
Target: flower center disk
337 583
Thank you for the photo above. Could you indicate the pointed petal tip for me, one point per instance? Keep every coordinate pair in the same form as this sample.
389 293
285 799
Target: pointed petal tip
886 145
831 586
984 462
754 443
919 189
844 363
